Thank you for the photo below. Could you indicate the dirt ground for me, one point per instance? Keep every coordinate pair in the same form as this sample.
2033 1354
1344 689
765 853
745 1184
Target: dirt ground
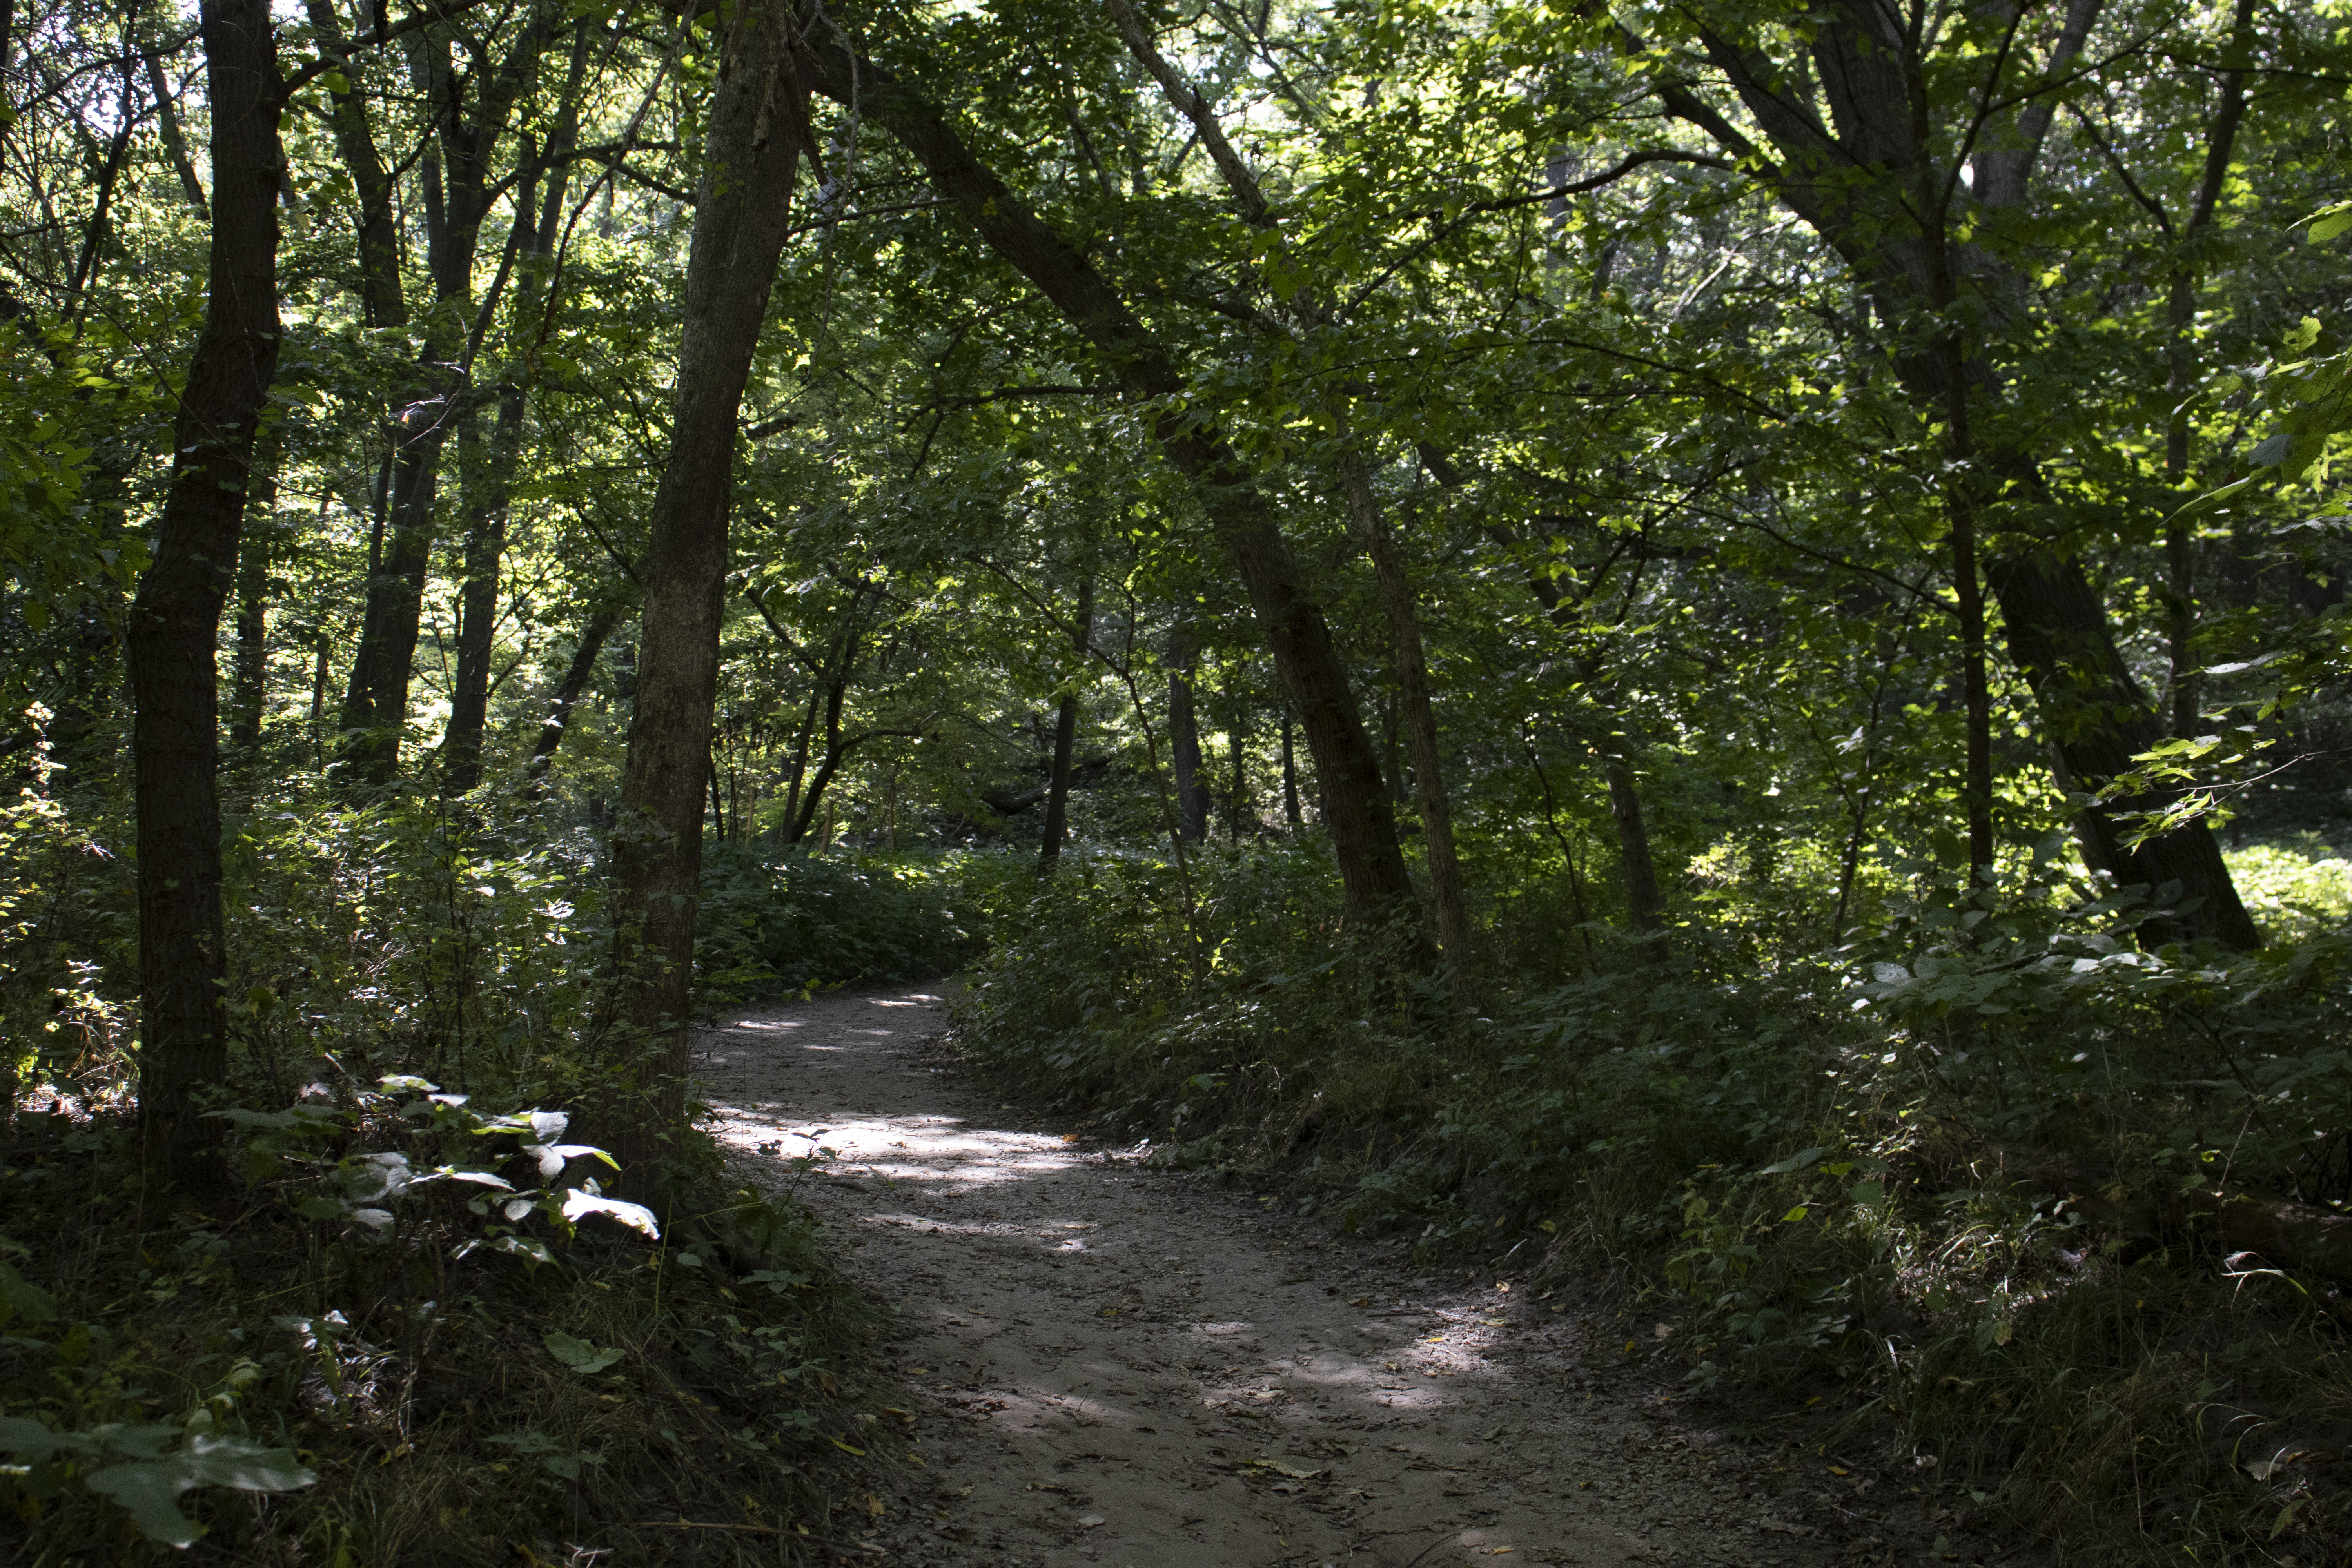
1112 1364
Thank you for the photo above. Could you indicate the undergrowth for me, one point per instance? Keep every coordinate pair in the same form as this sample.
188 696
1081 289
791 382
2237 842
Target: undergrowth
1984 1171
409 1324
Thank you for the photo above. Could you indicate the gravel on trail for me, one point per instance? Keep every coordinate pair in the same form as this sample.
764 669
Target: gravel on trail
1106 1363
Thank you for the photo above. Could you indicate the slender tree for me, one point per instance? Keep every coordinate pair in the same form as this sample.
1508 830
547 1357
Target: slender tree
756 129
174 621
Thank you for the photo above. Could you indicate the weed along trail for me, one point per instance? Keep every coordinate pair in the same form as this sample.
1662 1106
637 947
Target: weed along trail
1108 1363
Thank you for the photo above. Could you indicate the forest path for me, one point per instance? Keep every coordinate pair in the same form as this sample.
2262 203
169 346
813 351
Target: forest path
1128 1367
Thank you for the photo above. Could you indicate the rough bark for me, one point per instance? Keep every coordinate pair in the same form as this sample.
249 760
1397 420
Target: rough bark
755 133
174 620
1363 830
1066 736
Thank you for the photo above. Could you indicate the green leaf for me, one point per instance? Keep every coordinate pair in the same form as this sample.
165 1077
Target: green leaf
578 1354
1796 1162
245 1465
149 1493
1795 1215
19 1297
578 1204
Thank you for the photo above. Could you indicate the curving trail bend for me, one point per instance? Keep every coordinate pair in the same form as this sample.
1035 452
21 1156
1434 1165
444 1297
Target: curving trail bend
1111 1365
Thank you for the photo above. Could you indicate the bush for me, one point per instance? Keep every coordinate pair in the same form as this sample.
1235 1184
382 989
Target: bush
772 923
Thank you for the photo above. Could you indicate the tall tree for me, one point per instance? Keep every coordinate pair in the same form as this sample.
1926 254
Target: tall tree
174 622
756 129
471 111
1291 618
1866 138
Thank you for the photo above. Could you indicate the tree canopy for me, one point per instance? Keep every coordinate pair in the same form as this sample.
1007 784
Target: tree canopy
1545 530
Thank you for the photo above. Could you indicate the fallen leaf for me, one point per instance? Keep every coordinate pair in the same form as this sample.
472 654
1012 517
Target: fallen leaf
1092 1520
1361 1302
1284 1468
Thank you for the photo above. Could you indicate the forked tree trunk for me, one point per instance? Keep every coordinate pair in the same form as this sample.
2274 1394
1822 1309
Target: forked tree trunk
489 474
753 138
1869 72
458 190
175 619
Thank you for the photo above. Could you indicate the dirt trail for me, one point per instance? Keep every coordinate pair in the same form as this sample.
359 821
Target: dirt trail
1111 1365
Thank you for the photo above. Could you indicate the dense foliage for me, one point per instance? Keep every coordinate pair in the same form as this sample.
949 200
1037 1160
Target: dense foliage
1704 644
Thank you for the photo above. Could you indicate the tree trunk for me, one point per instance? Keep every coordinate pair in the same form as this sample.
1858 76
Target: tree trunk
754 137
478 596
175 619
457 189
1241 816
1185 737
1065 735
1642 896
1363 828
2181 319
2057 629
1446 894
567 691
1291 814
489 475
248 681
2099 720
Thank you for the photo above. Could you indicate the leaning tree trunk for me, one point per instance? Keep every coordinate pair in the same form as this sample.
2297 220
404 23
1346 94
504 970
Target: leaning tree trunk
175 619
1244 521
752 142
2099 721
568 691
